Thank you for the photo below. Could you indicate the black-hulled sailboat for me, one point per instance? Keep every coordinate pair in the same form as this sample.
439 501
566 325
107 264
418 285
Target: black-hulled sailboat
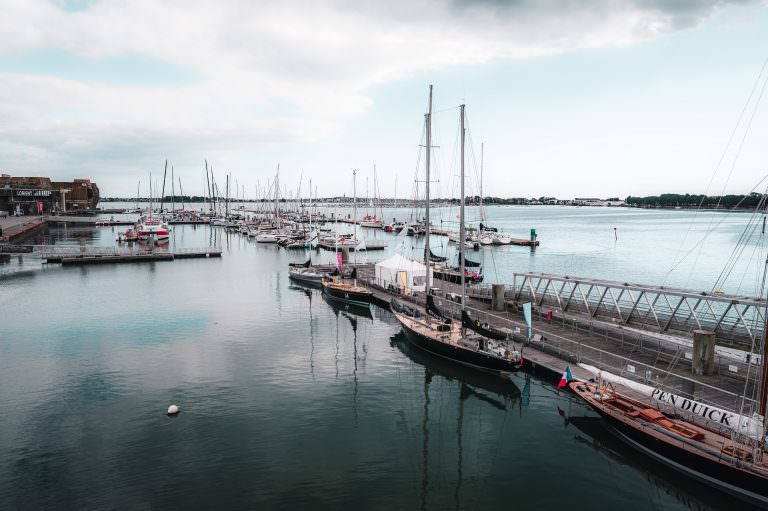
469 343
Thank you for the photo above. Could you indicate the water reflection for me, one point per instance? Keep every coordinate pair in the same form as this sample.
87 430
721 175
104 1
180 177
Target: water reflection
593 432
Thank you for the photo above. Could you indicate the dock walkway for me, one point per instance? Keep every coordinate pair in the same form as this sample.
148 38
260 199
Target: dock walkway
104 255
569 340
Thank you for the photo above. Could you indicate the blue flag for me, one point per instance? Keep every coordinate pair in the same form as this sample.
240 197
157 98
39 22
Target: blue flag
527 315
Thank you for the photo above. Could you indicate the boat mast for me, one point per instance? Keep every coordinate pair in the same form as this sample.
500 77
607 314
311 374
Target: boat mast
395 191
173 192
482 144
461 214
354 210
764 373
181 193
208 182
310 213
162 194
277 192
428 119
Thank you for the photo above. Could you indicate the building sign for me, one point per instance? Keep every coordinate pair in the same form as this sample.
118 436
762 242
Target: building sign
32 193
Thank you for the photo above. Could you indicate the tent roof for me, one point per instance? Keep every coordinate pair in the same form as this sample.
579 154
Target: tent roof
400 263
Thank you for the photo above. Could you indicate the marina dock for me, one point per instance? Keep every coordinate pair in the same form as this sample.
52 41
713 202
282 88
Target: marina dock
105 255
565 339
369 245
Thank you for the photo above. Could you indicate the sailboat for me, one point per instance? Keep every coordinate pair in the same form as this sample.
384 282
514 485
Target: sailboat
470 343
344 292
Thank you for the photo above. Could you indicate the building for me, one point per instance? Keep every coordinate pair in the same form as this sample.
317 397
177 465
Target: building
35 195
591 201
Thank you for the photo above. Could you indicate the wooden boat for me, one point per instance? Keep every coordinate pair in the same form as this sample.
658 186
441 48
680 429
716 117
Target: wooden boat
344 292
705 454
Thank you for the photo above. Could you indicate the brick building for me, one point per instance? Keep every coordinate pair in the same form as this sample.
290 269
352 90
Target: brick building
26 195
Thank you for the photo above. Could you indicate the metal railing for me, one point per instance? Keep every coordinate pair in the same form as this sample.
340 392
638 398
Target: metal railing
738 320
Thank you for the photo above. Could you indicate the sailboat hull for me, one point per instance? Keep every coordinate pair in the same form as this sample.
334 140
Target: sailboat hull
459 355
344 296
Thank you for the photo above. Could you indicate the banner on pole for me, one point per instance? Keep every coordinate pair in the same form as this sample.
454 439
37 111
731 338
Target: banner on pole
527 315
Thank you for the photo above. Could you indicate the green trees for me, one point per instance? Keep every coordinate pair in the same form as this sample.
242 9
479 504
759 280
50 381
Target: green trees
672 200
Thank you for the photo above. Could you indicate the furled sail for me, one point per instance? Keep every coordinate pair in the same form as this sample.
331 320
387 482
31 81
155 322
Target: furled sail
468 263
481 328
434 310
436 258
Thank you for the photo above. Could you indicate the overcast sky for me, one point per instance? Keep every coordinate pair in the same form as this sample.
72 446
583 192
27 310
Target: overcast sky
571 97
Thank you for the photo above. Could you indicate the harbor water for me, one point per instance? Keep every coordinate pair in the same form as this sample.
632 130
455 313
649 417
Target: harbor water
290 402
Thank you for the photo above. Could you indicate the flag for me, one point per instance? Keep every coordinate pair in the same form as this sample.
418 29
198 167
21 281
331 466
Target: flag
527 315
340 259
566 379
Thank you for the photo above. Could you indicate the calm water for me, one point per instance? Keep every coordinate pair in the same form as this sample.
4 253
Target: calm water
288 402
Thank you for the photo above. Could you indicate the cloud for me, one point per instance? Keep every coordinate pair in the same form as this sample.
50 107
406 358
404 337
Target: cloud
270 72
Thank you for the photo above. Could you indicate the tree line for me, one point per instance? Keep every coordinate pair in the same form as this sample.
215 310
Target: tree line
676 200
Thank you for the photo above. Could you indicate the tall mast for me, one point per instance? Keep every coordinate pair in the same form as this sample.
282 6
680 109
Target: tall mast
461 213
395 191
428 118
173 192
310 212
181 194
354 208
162 194
208 182
764 373
138 194
277 193
481 180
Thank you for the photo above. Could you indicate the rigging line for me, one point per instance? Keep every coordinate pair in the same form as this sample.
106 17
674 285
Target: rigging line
744 136
710 231
736 158
755 251
733 258
741 244
752 348
724 153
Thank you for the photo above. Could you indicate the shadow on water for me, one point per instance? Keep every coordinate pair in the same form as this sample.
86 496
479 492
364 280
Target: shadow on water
472 379
485 387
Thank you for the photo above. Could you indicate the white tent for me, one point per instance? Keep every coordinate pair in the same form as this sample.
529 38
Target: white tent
401 273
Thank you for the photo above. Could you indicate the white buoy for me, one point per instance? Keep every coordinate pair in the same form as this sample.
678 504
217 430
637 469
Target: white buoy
173 410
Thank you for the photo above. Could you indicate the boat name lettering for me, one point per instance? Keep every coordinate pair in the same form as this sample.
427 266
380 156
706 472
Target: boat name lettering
686 404
33 193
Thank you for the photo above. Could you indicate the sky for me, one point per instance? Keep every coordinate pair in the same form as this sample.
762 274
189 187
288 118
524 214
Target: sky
570 98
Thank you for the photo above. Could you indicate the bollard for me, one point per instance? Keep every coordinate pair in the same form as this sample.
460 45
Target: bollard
703 352
497 297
